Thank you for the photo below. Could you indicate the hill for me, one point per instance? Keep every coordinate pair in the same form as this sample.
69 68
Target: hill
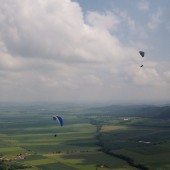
145 111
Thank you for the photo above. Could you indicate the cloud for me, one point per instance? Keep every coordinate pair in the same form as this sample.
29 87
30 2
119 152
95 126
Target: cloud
167 27
7 61
56 30
104 21
155 19
41 28
143 5
92 80
51 50
134 27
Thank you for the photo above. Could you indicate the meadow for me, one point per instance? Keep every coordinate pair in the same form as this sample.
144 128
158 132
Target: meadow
27 135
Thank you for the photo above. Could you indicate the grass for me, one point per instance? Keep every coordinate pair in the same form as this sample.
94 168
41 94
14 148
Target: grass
124 141
31 133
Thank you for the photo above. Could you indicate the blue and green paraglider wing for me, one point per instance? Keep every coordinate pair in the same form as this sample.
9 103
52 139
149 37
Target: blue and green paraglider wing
59 119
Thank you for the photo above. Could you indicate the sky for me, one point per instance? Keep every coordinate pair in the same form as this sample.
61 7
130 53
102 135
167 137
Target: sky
84 51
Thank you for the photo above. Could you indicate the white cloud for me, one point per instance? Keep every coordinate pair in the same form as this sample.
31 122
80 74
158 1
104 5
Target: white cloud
50 50
92 80
168 27
149 77
134 27
167 76
143 5
104 21
31 29
155 19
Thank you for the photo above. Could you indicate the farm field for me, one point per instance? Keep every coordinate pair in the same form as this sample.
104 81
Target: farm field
145 144
85 142
27 137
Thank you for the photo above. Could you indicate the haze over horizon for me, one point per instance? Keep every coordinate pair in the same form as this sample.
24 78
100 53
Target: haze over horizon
84 51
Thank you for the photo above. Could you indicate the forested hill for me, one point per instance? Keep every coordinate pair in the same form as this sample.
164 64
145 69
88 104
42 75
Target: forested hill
162 112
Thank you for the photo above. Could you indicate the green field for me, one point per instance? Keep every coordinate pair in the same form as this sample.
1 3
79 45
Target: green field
145 144
27 137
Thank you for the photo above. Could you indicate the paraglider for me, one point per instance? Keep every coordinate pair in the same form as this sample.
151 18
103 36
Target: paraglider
60 122
142 53
59 119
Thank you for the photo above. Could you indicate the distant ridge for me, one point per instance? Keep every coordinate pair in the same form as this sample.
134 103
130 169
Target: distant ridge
146 111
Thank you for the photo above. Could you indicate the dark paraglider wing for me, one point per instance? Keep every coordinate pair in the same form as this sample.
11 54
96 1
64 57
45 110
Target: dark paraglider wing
142 53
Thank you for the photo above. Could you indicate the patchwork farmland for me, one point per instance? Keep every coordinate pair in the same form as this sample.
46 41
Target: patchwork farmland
31 140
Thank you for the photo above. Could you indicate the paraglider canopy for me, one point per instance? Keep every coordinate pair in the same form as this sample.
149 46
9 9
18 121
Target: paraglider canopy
142 53
60 120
